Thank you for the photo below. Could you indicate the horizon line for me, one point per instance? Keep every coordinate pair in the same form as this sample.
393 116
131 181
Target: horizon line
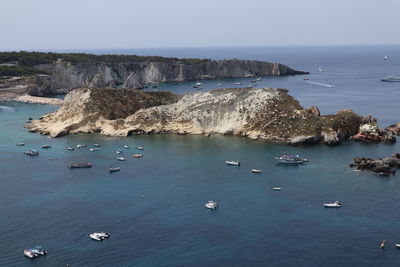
195 47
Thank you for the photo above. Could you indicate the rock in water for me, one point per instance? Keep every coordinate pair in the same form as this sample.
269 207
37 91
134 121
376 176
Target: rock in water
263 113
394 129
383 166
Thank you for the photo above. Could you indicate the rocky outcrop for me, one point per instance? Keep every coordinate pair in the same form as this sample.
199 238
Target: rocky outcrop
264 113
370 133
66 76
394 129
383 166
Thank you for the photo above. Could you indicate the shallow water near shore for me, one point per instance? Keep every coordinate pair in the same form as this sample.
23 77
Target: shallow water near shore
154 207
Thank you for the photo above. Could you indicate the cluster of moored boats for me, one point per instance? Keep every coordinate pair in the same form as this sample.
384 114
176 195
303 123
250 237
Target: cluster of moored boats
39 251
199 85
285 159
95 147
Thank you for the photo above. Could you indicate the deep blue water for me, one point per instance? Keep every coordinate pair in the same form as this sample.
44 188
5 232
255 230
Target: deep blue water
154 208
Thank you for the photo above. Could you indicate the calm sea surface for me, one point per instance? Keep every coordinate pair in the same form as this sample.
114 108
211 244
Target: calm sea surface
154 207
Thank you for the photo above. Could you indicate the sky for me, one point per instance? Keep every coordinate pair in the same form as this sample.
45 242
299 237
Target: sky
118 24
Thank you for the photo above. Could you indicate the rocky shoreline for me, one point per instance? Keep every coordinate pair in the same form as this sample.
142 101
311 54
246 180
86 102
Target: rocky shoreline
59 73
258 113
38 100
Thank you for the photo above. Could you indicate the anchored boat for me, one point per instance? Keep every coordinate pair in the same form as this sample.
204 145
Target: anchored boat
211 205
99 236
76 165
31 152
335 204
391 79
232 163
115 169
290 159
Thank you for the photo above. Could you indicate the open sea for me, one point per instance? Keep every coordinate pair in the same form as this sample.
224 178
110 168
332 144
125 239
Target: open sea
154 207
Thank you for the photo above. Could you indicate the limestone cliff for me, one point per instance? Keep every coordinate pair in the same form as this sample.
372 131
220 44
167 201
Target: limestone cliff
65 76
263 113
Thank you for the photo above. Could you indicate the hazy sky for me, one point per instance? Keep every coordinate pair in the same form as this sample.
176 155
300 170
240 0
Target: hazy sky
67 24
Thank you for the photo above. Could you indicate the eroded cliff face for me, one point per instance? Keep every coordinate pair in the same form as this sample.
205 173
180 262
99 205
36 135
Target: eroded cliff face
263 113
65 76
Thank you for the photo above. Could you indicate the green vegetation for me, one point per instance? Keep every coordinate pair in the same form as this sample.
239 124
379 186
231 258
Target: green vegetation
27 60
19 71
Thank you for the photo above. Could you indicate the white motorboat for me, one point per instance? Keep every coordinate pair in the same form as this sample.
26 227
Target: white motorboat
258 79
238 83
93 149
80 146
335 204
29 254
126 146
391 79
96 237
219 84
139 148
397 245
121 159
198 84
255 171
46 146
96 145
19 144
118 152
99 236
232 163
70 148
137 156
211 205
277 188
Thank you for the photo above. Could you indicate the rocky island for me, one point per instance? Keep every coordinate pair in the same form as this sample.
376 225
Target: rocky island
41 74
259 113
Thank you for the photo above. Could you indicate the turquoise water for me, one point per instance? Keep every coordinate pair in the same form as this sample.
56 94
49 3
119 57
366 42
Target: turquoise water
154 208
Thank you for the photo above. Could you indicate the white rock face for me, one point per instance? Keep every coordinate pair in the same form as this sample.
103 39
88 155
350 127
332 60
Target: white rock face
65 76
220 111
263 113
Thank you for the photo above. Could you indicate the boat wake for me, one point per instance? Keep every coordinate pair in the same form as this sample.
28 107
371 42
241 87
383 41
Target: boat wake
321 84
6 109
